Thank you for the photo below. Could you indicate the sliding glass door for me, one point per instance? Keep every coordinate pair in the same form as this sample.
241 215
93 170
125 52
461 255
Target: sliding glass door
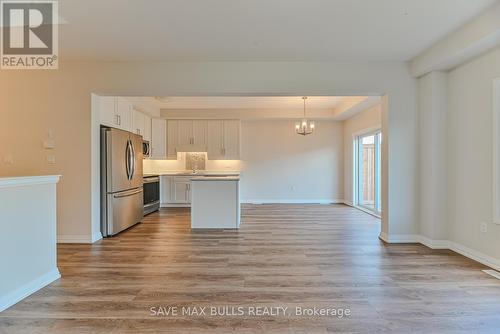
368 172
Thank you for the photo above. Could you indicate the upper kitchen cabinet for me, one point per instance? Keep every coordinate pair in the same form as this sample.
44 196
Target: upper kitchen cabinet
231 147
200 134
219 138
141 124
124 113
172 139
186 136
215 140
158 139
184 133
138 123
115 112
148 129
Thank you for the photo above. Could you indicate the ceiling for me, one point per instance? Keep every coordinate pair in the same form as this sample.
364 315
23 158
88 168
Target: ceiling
250 102
258 30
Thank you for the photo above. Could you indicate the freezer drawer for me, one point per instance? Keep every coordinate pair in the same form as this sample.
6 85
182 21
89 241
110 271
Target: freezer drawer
124 209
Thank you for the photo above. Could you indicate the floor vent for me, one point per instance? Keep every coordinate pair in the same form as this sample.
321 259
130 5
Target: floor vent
493 273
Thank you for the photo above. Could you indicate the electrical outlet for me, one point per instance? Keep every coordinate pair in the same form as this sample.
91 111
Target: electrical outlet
483 227
292 188
51 159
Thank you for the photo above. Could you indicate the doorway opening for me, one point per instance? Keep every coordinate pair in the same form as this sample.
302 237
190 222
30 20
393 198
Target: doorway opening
368 172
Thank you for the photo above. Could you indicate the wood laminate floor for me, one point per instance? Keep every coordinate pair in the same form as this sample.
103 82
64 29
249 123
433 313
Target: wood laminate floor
306 256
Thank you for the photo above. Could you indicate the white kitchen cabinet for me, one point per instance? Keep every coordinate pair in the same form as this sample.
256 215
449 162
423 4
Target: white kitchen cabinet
138 122
148 128
215 140
166 183
200 134
219 138
158 139
182 190
107 111
124 113
172 139
231 147
185 133
115 112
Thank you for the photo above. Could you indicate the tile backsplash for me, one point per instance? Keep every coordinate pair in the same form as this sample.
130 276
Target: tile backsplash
159 166
196 161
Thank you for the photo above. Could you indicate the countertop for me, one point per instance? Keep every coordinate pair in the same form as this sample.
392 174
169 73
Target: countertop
6 182
217 178
200 173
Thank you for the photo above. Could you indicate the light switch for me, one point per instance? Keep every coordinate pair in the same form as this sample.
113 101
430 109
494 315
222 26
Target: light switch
49 144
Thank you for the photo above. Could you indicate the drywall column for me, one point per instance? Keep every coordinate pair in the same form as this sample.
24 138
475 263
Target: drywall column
432 138
28 259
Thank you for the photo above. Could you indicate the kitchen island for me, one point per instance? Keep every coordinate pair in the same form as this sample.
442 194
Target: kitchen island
215 202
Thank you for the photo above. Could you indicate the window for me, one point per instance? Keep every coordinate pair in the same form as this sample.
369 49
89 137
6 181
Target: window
496 151
368 172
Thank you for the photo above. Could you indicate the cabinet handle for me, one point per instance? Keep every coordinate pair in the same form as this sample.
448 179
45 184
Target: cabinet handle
119 119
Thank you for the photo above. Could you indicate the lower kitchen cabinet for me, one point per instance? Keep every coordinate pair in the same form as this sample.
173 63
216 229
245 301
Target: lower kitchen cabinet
175 190
182 191
166 189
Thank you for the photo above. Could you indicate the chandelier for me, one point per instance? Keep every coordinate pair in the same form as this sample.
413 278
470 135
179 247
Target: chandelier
304 127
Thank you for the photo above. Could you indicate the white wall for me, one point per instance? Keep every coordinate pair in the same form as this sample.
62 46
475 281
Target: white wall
31 102
281 166
368 120
432 150
470 141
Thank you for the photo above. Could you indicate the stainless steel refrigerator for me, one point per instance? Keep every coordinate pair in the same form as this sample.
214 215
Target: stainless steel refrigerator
121 180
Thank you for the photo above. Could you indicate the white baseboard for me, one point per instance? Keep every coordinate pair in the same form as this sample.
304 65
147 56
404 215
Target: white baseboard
174 205
74 239
434 244
292 201
399 238
443 244
96 236
27 289
475 255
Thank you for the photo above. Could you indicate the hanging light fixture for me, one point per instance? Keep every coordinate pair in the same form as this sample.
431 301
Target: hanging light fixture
304 127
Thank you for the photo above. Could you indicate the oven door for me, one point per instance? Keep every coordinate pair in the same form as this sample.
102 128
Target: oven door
151 194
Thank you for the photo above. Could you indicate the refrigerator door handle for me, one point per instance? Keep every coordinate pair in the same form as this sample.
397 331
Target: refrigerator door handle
128 158
128 193
132 160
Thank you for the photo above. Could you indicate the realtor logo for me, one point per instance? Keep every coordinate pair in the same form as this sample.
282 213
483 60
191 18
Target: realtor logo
29 34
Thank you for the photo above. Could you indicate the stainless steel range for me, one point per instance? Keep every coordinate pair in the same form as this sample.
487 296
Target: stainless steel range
151 193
